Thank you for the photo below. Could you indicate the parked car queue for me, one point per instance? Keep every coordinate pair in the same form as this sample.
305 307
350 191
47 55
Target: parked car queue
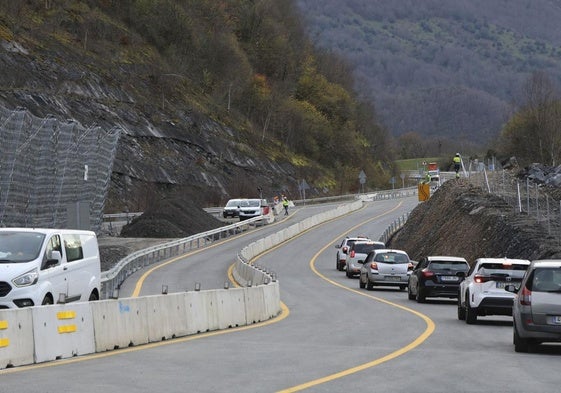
529 291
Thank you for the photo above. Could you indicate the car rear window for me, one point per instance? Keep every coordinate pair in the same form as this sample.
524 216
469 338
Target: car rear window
502 266
365 248
449 265
391 257
546 280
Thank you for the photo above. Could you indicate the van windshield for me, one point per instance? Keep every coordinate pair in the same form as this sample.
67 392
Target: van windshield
20 246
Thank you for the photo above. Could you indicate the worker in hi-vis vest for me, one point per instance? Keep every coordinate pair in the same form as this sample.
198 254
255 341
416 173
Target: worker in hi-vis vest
457 162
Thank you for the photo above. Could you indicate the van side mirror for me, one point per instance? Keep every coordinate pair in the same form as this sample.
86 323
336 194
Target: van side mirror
54 259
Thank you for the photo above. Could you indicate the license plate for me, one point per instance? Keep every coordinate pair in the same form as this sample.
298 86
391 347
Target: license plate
449 278
501 284
393 278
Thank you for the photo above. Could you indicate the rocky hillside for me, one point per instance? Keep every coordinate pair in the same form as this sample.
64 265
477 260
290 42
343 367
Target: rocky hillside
463 220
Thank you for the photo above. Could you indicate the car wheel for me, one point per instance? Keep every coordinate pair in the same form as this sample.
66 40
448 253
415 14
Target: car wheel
348 273
361 283
369 284
471 312
461 311
520 344
410 295
420 295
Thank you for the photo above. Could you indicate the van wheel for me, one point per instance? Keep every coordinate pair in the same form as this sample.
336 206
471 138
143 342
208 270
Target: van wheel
93 296
47 300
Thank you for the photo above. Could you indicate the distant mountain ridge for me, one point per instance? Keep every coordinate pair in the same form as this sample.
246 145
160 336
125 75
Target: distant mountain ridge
447 69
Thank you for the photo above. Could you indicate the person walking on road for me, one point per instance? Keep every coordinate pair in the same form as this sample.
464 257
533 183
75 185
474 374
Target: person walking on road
285 205
457 163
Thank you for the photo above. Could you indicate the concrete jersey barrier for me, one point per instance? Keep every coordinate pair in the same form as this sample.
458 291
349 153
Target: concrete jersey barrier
42 334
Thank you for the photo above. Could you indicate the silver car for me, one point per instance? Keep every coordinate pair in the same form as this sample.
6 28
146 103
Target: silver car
385 267
537 305
357 254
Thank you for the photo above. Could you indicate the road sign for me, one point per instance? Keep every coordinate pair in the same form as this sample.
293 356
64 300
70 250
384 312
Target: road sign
362 177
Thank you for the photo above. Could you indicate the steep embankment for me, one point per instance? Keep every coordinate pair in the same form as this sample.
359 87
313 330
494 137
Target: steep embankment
463 220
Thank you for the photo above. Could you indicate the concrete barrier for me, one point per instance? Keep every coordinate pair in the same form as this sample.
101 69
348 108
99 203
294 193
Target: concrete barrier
41 334
16 338
120 323
166 316
62 331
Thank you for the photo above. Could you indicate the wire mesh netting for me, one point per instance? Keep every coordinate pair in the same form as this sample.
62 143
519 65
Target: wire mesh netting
535 201
47 167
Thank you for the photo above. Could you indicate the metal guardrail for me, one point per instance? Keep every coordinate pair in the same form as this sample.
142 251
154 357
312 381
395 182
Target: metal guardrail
113 278
393 228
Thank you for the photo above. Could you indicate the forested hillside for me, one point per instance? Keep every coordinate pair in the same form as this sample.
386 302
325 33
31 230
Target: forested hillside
452 70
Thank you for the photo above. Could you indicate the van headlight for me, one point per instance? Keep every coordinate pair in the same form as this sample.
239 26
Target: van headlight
27 279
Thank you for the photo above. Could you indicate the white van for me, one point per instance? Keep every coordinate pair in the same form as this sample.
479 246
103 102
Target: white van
43 266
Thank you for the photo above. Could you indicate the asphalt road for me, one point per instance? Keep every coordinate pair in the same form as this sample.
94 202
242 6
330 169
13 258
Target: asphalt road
331 337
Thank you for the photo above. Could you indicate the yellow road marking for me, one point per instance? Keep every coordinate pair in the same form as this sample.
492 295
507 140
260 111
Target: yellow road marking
140 282
415 343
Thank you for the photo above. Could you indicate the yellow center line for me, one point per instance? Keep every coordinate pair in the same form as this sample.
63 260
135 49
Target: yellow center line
415 343
140 282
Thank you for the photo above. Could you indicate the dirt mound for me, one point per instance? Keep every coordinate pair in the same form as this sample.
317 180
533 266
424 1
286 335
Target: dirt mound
172 218
463 220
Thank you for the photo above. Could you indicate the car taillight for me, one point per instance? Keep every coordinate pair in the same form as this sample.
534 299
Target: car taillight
478 278
345 249
410 266
352 253
525 297
374 266
427 273
265 210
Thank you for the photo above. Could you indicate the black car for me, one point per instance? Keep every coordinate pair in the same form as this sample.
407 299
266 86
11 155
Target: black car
436 276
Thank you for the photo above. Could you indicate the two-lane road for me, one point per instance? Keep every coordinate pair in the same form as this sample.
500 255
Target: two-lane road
332 337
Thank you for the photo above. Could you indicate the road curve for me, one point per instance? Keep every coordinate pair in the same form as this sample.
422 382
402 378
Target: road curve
332 336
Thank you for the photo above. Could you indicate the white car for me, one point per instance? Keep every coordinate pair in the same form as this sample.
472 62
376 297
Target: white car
385 267
249 208
343 250
483 291
357 254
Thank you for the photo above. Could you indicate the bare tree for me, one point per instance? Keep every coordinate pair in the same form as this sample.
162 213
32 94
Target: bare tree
542 108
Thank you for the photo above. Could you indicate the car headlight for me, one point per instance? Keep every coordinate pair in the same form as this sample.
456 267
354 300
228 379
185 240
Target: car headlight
27 279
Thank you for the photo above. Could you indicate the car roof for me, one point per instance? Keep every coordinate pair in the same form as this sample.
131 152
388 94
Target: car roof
367 241
547 263
435 258
503 260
